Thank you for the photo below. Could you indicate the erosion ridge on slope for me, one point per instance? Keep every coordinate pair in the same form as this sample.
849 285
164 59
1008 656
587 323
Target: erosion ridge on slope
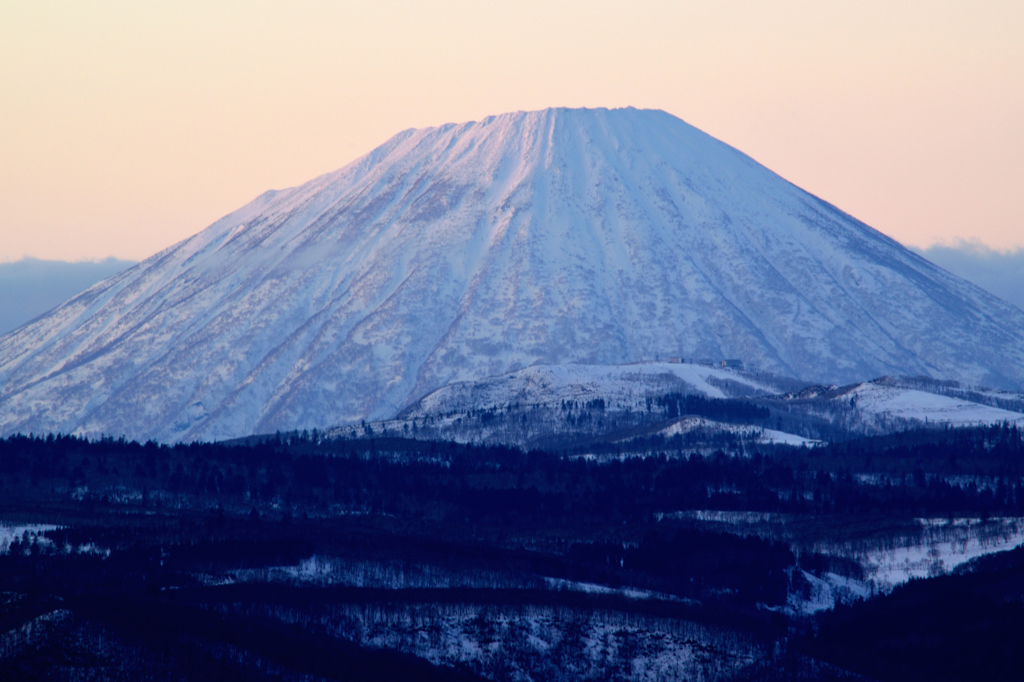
466 251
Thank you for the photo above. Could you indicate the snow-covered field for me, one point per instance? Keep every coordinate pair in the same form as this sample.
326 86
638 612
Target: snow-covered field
943 545
752 434
878 401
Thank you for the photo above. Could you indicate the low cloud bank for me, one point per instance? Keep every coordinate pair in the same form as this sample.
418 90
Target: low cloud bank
998 272
30 287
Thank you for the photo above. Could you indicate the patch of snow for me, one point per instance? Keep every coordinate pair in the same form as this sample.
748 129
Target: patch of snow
875 399
26 533
595 588
821 593
945 544
752 433
35 534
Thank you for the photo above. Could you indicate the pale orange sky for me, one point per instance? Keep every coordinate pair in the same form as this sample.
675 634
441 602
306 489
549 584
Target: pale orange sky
126 126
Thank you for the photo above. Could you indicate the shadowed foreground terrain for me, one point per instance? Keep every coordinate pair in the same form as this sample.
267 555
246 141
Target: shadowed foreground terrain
298 558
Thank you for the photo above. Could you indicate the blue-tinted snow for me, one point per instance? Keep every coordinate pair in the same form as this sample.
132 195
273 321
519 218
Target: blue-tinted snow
471 250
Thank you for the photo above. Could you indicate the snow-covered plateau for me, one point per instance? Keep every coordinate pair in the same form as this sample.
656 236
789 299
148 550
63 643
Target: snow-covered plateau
451 254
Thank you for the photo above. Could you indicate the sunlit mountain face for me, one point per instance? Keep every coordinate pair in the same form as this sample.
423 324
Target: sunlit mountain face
470 250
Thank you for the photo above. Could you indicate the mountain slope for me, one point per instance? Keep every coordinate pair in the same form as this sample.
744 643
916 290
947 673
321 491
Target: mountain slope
470 250
30 287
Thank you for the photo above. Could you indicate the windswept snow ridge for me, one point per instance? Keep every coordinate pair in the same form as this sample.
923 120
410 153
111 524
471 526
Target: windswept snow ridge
466 251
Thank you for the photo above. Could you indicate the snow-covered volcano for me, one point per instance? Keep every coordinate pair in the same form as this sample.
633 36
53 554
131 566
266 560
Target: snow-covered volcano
470 250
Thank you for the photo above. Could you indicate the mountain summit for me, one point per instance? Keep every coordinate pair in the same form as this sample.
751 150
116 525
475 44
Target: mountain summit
465 251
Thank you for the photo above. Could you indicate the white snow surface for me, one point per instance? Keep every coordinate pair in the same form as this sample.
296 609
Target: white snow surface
753 434
876 399
620 386
470 250
946 544
821 593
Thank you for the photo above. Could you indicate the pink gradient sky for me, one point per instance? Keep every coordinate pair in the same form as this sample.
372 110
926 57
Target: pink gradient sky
126 126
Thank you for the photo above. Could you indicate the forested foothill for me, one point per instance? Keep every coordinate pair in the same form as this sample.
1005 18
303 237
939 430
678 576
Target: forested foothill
296 556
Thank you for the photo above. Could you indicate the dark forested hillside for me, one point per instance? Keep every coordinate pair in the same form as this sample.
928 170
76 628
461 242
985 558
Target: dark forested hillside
297 557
